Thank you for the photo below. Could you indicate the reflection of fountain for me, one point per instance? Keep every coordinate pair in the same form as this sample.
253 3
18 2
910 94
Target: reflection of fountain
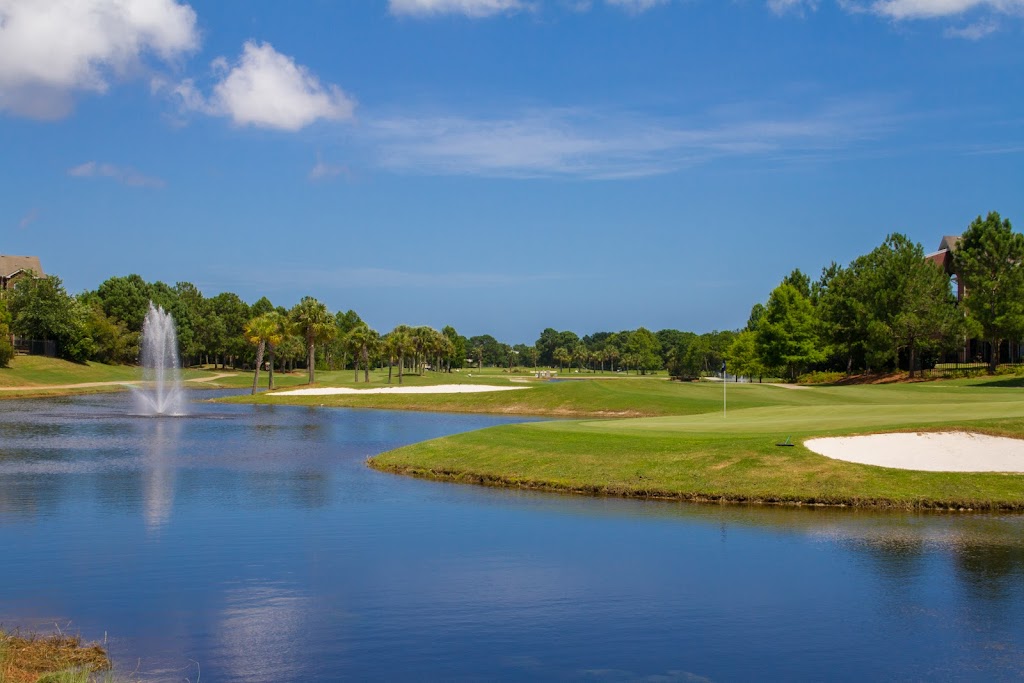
162 394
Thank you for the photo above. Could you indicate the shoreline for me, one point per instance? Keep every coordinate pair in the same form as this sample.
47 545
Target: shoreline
695 497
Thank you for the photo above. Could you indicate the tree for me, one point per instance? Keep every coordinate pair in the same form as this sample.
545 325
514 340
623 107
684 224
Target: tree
907 300
786 335
645 349
311 320
842 313
263 331
6 347
126 299
402 343
40 308
742 356
362 342
561 356
989 259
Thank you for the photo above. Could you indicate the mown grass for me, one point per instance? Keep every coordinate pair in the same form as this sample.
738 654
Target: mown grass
591 397
56 658
701 455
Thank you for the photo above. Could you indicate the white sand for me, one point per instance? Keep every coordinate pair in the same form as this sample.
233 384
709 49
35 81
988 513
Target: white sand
435 389
928 451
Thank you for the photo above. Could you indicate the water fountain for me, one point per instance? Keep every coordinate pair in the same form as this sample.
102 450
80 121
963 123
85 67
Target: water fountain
162 394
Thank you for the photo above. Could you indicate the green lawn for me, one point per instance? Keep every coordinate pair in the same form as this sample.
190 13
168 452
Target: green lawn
697 454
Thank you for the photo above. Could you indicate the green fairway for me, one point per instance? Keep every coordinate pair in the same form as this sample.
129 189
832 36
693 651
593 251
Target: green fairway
699 454
594 396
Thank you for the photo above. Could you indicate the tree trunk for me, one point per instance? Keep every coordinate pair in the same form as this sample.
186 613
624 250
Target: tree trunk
913 358
259 362
355 362
270 374
401 366
366 365
993 360
391 365
311 360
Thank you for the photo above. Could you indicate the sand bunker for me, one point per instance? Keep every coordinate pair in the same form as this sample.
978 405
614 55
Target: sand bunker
928 451
436 389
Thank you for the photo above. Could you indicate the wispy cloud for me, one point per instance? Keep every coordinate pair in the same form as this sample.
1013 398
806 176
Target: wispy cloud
636 6
126 175
323 170
475 9
792 6
576 143
975 31
28 219
930 9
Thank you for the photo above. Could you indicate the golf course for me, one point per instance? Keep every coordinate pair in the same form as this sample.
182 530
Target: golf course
684 448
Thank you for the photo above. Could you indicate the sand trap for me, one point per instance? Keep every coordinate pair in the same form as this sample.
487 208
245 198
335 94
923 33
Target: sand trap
928 451
436 389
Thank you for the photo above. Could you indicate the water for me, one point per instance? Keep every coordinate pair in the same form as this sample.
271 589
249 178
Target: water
162 394
250 543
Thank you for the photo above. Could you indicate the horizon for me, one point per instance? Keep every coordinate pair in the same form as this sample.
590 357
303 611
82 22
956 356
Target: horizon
500 165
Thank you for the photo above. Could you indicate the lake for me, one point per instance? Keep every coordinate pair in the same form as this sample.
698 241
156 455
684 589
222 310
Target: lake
251 543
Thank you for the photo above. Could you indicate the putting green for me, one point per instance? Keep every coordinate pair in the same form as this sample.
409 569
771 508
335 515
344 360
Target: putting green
735 457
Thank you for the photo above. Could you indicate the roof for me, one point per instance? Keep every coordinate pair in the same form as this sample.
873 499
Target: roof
9 265
949 243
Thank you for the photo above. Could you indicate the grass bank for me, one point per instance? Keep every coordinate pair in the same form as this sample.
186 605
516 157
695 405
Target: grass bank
51 659
703 456
38 376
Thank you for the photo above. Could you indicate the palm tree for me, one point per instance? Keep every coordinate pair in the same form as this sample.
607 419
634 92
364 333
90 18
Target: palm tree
361 341
313 321
403 344
264 330
561 356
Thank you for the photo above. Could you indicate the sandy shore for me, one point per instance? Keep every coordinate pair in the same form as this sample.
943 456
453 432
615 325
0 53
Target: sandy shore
436 389
928 451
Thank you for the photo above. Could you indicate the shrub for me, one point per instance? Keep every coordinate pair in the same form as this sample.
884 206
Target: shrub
820 377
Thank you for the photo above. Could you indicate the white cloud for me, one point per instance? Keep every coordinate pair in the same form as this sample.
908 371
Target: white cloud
636 6
51 49
267 89
932 9
323 170
792 6
126 175
470 8
28 219
975 31
577 144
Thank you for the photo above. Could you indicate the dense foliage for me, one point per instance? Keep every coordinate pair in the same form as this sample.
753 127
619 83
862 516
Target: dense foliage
890 308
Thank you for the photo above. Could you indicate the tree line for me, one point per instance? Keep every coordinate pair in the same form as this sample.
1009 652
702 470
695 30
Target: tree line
889 308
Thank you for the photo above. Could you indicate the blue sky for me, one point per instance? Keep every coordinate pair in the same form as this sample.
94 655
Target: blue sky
502 165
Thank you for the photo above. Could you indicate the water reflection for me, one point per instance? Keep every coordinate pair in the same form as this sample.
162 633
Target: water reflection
254 540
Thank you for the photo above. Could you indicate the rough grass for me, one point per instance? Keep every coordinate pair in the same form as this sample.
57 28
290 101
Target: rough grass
704 456
51 659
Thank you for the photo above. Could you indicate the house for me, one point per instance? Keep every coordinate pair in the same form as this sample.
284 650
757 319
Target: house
12 268
974 350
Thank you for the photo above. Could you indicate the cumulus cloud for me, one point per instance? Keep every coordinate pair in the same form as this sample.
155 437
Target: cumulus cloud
470 8
267 89
126 175
51 49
